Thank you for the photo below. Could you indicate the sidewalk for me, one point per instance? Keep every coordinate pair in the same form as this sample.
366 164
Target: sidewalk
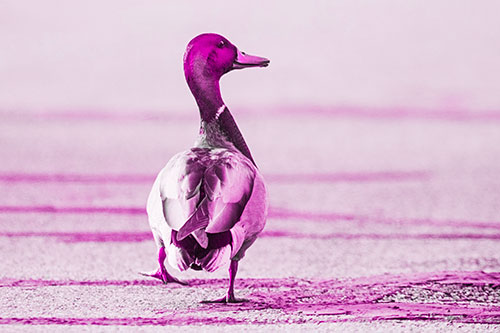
375 224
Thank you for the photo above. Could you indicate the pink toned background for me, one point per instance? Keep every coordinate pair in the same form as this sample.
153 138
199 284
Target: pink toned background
126 55
376 127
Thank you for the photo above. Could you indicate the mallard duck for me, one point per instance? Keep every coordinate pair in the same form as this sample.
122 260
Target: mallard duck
209 203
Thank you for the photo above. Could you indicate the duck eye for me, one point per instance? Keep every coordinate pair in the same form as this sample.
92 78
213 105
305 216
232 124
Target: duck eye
221 44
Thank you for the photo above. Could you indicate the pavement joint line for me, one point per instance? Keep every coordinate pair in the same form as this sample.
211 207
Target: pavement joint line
306 178
274 213
141 236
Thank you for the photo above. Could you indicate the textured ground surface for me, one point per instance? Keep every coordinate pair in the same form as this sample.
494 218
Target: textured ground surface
377 222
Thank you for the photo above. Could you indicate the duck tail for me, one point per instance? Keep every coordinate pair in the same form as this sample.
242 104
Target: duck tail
201 237
196 225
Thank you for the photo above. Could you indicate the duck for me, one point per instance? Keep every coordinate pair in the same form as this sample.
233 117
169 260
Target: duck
209 203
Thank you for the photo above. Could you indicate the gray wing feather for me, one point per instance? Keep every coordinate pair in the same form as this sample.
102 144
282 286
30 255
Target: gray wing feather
223 177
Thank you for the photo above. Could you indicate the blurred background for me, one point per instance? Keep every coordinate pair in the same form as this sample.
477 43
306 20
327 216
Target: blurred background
126 56
376 127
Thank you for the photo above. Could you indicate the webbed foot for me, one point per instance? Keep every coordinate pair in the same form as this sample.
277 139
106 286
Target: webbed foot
162 273
229 298
163 276
225 300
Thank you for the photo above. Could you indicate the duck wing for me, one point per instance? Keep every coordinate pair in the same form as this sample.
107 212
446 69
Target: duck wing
205 190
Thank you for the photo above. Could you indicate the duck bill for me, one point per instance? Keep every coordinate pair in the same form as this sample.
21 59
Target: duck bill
244 60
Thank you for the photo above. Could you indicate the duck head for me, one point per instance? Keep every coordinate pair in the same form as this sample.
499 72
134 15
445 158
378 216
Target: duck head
207 58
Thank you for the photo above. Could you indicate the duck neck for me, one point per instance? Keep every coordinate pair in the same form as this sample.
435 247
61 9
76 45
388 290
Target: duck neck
206 92
222 131
228 126
217 123
208 98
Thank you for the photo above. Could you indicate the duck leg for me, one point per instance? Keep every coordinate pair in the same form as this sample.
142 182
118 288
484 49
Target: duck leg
229 298
162 273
